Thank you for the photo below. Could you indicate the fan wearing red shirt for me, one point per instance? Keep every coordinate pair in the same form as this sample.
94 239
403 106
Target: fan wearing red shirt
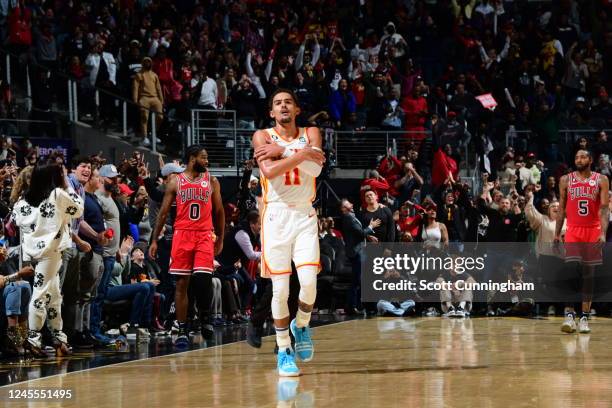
392 170
584 201
415 107
410 223
376 183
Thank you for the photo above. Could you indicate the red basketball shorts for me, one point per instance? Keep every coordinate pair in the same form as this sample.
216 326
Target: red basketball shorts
581 244
192 251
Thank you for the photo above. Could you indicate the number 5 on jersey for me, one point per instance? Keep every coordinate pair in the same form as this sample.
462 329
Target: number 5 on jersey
583 207
296 177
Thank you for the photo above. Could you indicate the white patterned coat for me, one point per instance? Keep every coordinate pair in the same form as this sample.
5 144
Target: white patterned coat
46 229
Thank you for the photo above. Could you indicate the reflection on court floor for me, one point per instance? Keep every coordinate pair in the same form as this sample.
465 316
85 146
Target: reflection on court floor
383 362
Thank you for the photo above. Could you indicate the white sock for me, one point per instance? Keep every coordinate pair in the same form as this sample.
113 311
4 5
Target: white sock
448 305
462 305
302 319
282 338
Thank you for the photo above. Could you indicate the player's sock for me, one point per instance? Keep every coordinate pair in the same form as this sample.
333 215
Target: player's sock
302 318
203 290
462 305
282 338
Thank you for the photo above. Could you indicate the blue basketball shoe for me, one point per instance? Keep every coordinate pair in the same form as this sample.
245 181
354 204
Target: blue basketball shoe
286 364
303 341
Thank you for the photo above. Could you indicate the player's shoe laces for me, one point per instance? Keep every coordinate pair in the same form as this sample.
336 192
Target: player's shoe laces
583 325
569 325
286 364
303 341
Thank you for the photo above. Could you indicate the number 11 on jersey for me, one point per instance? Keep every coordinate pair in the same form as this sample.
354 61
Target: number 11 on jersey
296 177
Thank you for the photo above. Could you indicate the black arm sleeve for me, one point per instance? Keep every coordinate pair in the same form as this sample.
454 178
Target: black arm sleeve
135 214
153 191
484 209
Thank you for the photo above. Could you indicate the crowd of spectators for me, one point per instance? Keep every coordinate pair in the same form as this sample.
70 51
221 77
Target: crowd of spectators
109 285
410 200
409 66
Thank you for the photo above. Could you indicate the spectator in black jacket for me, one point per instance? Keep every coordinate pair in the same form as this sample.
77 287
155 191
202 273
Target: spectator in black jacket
354 241
453 216
249 190
130 66
503 227
130 211
244 99
385 232
503 222
241 244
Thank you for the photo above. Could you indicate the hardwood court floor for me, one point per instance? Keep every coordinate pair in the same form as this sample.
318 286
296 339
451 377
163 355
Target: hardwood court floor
384 362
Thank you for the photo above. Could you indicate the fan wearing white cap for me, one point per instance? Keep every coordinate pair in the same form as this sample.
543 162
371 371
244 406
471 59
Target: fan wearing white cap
171 168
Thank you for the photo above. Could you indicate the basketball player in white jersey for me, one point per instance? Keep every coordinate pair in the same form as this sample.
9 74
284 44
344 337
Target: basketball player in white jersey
290 159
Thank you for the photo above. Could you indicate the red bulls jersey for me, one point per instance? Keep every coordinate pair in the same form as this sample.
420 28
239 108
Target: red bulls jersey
583 200
193 203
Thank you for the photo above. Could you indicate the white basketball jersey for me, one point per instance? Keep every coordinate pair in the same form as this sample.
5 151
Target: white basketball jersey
294 188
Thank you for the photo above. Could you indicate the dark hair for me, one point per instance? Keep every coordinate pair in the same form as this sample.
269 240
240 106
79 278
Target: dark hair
587 151
139 245
193 151
252 216
77 160
283 90
31 154
56 154
45 179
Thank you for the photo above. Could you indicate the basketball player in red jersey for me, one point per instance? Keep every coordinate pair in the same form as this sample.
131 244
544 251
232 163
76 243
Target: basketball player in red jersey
584 201
290 158
198 207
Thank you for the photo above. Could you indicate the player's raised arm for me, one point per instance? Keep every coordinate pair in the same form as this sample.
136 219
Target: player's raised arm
218 214
604 209
169 196
274 168
562 204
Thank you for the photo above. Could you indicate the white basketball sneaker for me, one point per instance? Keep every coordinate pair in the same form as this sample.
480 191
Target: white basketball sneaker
569 325
583 325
